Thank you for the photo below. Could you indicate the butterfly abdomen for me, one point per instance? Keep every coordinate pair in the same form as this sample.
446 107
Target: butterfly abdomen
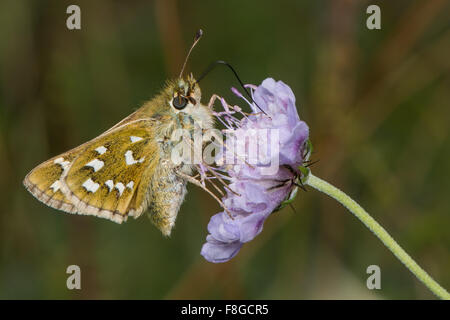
166 194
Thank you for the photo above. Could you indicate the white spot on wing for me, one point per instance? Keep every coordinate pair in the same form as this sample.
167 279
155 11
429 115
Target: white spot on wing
56 185
90 185
119 186
130 185
110 185
101 150
135 139
62 163
129 159
96 164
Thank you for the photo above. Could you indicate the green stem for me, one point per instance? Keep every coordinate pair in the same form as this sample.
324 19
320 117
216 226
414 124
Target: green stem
379 231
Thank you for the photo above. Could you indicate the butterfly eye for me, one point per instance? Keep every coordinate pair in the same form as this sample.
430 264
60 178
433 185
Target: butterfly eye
179 102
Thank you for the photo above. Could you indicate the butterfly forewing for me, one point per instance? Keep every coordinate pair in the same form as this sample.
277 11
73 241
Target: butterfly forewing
106 177
43 182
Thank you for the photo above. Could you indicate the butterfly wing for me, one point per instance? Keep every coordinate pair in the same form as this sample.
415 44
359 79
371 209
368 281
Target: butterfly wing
108 177
43 182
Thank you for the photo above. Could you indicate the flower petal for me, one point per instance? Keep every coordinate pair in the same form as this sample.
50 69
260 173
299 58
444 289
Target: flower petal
217 251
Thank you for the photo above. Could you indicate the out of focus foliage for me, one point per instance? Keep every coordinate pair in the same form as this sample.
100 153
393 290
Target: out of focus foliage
377 103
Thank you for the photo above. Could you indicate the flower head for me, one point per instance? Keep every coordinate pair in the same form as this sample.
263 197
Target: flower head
257 189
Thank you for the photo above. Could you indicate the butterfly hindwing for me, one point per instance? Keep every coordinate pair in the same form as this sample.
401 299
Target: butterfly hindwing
106 177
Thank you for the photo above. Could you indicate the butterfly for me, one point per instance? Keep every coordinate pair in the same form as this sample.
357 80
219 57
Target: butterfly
128 169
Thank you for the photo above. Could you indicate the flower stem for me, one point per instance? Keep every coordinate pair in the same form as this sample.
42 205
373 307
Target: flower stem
379 231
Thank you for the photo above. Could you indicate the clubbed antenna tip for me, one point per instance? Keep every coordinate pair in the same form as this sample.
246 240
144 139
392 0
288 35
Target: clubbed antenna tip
197 37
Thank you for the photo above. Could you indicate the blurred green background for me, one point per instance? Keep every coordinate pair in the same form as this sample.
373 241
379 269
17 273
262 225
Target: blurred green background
377 103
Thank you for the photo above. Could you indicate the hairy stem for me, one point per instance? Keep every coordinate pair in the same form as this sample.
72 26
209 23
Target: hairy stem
379 231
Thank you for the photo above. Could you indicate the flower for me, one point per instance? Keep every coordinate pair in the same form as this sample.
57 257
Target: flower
254 191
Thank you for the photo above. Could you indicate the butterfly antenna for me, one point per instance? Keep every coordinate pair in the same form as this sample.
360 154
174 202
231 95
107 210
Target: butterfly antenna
197 37
216 63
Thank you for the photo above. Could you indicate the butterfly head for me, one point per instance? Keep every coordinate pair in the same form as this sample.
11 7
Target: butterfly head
185 95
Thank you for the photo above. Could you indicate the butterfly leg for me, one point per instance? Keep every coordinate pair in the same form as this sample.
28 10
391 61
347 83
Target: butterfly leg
213 99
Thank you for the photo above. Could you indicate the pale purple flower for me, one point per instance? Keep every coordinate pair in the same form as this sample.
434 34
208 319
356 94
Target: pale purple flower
255 195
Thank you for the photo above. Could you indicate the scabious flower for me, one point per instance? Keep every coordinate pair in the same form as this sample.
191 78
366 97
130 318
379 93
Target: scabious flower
254 192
